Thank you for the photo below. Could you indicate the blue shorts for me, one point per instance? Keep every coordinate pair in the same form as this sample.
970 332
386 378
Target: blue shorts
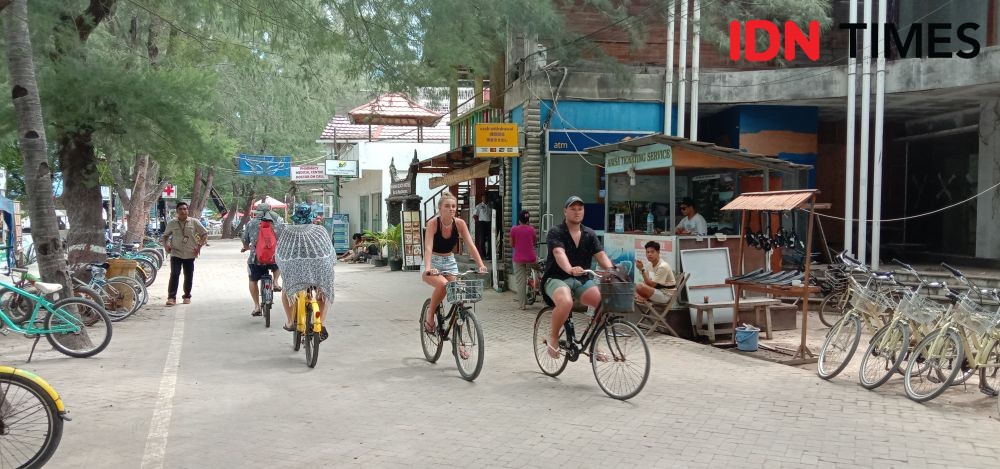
444 264
575 285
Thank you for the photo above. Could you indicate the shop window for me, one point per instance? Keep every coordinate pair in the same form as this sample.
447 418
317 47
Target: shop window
377 211
364 213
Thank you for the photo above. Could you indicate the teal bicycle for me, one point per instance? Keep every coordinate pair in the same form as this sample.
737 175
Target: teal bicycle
74 326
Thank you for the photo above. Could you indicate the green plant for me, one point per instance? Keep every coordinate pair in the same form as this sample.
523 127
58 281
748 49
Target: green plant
391 239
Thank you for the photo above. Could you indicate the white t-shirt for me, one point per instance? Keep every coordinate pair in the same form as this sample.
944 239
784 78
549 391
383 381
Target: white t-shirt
695 225
484 212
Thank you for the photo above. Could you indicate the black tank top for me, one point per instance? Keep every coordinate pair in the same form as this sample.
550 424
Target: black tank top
442 245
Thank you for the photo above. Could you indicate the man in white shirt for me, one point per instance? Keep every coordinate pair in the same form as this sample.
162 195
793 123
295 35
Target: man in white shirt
692 223
483 215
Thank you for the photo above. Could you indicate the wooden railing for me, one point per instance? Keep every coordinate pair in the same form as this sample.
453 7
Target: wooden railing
463 128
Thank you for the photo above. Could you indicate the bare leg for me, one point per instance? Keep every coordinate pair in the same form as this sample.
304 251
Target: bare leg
563 298
438 282
277 276
289 306
644 291
255 294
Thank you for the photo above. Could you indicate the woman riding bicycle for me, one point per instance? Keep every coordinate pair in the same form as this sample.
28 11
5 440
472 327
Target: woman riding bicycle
443 233
306 259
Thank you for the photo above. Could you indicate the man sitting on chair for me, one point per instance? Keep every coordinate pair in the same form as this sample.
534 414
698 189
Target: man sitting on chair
658 281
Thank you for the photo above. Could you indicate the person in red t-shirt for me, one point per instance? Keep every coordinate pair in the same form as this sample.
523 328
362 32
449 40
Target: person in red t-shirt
523 239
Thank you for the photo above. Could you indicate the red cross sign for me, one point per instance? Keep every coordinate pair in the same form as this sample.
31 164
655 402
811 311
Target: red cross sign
169 192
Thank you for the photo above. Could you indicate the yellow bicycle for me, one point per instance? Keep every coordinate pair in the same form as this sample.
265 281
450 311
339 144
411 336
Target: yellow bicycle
308 325
31 419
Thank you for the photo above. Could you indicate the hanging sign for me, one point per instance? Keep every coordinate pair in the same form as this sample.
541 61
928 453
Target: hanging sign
309 172
265 165
347 168
169 192
496 140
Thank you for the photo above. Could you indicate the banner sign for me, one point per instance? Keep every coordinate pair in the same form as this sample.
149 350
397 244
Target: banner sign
263 165
648 157
309 172
576 141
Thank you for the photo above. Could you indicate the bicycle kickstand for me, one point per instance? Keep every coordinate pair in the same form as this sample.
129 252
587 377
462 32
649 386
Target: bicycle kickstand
37 338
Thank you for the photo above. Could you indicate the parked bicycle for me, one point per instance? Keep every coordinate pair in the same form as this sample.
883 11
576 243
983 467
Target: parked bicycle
74 326
31 419
120 296
461 324
968 340
617 348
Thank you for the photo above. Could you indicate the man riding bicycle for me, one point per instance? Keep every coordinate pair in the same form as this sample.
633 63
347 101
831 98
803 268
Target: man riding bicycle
305 254
267 220
572 249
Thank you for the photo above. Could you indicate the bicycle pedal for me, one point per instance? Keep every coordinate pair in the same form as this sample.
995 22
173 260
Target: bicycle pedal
988 392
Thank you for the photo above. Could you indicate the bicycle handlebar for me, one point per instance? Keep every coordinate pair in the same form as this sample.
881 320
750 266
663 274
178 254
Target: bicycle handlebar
953 270
457 274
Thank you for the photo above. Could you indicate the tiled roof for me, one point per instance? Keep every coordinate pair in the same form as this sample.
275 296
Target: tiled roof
779 200
394 109
346 131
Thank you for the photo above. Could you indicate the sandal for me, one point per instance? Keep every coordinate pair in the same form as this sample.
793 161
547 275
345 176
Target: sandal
276 288
288 328
601 356
323 334
462 352
429 328
255 313
552 350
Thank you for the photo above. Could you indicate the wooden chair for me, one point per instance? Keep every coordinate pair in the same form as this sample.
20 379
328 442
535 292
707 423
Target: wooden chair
656 314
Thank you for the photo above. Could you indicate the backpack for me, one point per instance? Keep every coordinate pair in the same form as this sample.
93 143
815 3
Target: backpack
267 243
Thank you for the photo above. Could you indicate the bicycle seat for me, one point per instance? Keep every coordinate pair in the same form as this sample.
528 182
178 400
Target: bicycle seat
48 288
104 266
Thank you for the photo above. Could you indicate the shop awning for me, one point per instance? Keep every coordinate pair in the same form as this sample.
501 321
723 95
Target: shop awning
394 109
456 166
778 200
690 154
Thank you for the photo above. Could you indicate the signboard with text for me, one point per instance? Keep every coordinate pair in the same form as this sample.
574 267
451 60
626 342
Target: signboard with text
309 173
496 140
345 168
647 157
412 244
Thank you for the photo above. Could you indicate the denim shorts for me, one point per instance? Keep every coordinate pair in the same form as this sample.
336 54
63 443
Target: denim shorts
444 264
575 285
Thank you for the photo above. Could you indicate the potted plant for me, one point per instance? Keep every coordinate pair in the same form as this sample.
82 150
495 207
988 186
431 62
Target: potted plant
378 238
394 241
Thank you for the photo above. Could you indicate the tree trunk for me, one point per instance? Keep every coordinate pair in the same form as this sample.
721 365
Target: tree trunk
202 192
34 150
138 212
82 195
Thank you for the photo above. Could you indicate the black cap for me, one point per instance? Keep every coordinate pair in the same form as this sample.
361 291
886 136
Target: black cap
572 200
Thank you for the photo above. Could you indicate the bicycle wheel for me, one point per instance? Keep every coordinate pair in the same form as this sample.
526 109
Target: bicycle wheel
72 337
989 374
17 307
155 255
430 341
140 287
543 323
121 298
30 425
147 269
267 296
468 337
832 308
839 347
884 355
311 338
939 369
619 356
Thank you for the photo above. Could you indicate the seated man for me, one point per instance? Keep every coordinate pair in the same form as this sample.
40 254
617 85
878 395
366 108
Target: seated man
658 280
357 248
572 248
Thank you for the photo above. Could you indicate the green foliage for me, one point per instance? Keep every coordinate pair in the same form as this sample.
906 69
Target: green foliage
391 238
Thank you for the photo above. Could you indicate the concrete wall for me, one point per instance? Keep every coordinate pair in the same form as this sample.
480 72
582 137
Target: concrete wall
374 159
988 205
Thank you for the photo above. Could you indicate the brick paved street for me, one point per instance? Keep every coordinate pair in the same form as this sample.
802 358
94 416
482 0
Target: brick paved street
244 399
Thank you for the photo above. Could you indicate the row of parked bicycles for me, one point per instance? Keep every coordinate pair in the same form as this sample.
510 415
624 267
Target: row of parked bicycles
933 341
78 325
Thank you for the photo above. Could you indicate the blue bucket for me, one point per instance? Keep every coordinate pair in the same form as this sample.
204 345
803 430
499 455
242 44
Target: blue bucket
746 338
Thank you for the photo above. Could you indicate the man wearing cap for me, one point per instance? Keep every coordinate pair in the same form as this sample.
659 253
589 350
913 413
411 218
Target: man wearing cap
572 249
254 269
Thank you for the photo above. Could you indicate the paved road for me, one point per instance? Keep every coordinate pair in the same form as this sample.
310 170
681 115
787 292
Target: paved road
204 385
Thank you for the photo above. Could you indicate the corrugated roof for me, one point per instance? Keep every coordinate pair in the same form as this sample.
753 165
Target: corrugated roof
756 159
394 109
778 200
345 131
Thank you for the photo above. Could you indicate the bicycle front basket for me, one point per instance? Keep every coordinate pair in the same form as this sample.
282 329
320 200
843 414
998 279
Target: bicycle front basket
617 297
867 300
919 308
975 317
465 291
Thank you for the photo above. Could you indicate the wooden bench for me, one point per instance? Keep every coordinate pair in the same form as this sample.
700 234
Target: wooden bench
759 305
